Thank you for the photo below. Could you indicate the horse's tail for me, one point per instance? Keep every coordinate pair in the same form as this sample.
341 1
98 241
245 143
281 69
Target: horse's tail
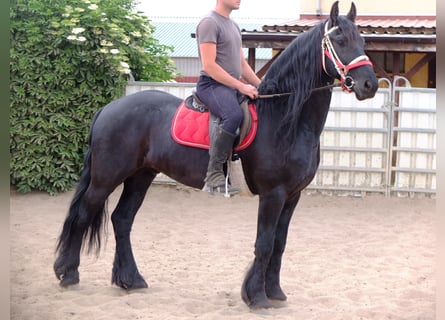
91 222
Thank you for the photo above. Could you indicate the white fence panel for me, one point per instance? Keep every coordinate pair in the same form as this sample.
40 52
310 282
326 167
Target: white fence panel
181 90
414 147
354 144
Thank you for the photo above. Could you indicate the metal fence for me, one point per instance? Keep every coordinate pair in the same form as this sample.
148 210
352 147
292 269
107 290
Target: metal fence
354 145
413 130
386 144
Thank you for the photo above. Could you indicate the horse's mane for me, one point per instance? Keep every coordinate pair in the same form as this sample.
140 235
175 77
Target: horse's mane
298 70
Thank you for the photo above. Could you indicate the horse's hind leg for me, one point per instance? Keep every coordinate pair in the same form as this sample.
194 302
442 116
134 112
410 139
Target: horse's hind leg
273 288
86 213
125 272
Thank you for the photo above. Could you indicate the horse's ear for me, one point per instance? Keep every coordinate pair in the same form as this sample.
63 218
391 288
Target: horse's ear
334 13
352 12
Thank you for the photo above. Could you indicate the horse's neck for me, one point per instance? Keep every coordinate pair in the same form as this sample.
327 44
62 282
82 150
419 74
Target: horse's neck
315 111
304 111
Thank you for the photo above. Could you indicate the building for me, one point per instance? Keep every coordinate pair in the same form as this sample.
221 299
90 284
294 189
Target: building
400 39
180 35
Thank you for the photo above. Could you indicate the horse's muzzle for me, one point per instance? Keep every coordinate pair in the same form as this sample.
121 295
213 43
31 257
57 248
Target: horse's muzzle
364 88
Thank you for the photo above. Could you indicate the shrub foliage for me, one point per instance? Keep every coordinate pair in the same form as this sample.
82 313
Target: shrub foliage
68 58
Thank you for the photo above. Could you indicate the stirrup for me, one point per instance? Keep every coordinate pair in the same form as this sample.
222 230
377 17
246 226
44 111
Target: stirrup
223 190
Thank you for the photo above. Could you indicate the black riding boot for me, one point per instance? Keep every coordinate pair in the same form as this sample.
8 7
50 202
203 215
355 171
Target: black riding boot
221 145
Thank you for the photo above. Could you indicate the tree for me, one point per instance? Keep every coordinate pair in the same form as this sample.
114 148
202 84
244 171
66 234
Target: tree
68 58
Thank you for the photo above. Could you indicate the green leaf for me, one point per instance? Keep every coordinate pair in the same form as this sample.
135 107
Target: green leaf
57 84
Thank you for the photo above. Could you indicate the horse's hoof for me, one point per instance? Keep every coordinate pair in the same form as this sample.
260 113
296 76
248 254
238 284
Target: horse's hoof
254 298
128 283
138 284
69 279
276 294
260 303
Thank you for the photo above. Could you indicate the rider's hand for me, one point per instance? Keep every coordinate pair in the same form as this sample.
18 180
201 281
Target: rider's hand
249 91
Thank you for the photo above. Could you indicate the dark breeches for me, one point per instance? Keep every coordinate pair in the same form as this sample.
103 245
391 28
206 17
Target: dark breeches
222 102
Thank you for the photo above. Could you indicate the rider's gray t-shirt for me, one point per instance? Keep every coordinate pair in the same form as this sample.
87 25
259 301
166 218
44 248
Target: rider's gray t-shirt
226 34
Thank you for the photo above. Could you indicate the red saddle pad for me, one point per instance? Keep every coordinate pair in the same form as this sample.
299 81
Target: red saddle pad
191 128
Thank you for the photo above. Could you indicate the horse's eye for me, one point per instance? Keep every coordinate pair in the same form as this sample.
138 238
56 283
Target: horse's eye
340 41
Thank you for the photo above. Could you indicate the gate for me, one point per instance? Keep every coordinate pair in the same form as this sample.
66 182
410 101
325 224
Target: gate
386 144
413 149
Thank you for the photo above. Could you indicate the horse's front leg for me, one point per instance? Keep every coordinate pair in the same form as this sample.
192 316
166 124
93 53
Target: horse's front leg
253 290
125 272
273 288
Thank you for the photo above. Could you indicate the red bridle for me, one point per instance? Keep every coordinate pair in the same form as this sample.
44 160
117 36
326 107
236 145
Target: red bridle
329 52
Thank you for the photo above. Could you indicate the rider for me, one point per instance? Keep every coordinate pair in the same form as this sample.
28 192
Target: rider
223 65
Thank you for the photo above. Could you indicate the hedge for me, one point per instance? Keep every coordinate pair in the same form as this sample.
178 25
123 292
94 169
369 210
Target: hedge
69 58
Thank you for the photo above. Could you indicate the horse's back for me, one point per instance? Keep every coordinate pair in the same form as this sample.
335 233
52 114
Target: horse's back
136 110
127 125
146 100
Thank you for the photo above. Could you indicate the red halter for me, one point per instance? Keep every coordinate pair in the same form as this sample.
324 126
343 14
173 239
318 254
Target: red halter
329 52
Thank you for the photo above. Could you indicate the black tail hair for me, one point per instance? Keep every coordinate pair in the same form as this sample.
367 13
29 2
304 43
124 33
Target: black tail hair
93 230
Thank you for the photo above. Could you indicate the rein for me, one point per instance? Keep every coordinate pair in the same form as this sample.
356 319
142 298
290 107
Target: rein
328 51
285 94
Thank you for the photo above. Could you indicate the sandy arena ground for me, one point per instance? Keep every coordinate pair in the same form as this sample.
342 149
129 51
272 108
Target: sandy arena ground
346 258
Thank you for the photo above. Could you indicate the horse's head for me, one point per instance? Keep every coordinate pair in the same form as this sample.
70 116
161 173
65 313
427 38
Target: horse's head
344 55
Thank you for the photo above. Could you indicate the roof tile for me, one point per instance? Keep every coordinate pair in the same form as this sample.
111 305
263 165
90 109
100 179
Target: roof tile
370 24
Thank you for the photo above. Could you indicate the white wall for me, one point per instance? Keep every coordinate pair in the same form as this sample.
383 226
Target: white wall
267 12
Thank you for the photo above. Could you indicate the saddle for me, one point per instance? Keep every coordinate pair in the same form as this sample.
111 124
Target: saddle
193 123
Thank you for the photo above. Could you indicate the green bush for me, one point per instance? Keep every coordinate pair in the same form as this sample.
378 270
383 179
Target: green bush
68 58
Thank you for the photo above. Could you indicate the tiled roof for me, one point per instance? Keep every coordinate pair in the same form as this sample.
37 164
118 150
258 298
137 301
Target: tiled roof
366 25
397 33
178 35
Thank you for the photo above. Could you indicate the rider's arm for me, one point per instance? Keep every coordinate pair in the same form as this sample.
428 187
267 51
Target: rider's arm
247 72
208 60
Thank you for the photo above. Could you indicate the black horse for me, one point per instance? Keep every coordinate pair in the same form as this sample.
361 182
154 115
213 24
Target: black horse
130 143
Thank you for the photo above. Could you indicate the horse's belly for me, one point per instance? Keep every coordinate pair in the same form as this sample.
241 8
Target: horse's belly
307 168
